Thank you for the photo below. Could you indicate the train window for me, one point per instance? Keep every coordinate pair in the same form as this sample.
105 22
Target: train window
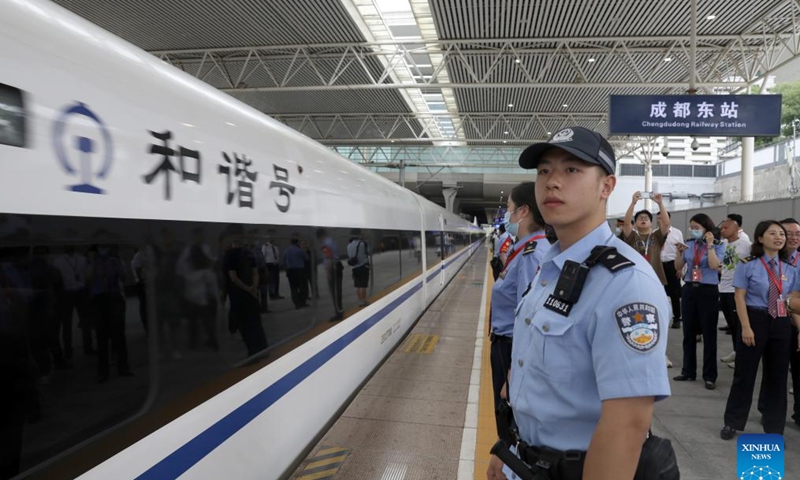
433 244
91 307
12 116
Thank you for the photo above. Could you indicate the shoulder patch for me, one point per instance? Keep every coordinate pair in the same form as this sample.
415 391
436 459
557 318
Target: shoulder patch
747 259
610 258
638 325
530 247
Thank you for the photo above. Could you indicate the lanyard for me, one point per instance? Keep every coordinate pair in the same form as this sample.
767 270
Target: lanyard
796 256
646 242
516 251
775 281
698 255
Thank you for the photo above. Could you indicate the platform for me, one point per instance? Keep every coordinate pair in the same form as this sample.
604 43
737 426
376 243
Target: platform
427 412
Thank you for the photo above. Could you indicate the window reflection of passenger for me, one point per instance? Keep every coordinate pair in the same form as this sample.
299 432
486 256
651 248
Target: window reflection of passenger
19 397
200 297
263 276
108 305
167 287
295 261
333 271
140 263
43 326
358 258
312 279
272 257
73 297
242 287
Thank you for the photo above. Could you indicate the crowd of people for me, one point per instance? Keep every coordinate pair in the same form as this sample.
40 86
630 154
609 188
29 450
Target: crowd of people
561 370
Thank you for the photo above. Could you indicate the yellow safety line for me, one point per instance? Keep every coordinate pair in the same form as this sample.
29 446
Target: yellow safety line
315 476
487 430
329 450
327 461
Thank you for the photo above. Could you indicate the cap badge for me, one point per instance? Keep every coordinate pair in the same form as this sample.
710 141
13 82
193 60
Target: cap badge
563 136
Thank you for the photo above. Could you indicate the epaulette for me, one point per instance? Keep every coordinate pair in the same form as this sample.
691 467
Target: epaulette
530 247
747 259
610 258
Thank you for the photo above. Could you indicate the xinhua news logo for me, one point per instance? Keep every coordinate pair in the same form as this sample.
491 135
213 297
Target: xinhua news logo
760 457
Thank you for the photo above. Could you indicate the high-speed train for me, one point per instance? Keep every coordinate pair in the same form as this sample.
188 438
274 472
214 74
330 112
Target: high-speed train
175 293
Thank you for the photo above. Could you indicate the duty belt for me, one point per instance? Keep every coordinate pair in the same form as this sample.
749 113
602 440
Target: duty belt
499 338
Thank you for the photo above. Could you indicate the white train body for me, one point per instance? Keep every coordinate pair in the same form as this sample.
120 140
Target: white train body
77 81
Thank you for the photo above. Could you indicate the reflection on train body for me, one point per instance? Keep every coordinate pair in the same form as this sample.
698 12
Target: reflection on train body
101 319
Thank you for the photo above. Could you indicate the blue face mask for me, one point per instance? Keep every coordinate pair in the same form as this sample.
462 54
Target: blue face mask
511 228
696 234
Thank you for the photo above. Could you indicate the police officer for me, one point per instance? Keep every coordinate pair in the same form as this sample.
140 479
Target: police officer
526 223
590 338
763 284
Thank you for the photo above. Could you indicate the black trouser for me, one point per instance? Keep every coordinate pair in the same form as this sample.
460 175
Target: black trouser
500 358
298 286
109 310
673 289
335 286
274 279
69 302
728 306
700 303
201 315
244 311
141 294
263 289
773 344
794 363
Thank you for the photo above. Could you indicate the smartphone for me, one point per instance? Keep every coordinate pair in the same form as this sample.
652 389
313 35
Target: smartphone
646 195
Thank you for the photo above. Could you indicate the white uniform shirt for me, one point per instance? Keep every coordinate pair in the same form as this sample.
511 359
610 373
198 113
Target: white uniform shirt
670 249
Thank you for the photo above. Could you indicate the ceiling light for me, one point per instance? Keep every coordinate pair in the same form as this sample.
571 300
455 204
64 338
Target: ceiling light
505 141
549 133
505 133
188 125
667 59
392 141
565 105
711 17
510 104
591 60
517 61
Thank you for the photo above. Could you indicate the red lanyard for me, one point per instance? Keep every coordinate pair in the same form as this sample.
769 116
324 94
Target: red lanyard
515 252
700 256
796 255
775 281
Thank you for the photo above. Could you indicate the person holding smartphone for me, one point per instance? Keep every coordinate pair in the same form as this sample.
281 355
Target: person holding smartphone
700 298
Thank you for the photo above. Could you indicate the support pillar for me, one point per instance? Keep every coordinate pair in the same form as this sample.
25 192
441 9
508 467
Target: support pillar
449 198
748 151
648 184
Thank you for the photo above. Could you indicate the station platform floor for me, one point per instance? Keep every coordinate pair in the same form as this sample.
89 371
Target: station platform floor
427 413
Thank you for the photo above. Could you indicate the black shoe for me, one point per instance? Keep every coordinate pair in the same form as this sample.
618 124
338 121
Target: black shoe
729 432
710 385
683 378
336 318
724 329
676 324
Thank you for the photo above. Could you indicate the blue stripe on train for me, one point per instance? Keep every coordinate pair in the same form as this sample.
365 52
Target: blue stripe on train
184 458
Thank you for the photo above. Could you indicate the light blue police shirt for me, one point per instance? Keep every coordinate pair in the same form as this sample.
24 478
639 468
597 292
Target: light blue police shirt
753 277
710 277
518 274
612 345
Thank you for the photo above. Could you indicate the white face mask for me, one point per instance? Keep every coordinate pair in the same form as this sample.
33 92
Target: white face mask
617 231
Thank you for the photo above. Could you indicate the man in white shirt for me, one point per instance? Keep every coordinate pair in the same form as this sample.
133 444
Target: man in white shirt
272 257
673 286
738 219
736 248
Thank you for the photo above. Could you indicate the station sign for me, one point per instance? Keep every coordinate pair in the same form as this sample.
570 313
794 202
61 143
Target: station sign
701 115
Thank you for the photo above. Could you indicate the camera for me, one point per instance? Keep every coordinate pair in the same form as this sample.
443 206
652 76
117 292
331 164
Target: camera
646 195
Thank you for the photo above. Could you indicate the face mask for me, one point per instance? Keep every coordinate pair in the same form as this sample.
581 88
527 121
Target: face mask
511 228
696 234
617 231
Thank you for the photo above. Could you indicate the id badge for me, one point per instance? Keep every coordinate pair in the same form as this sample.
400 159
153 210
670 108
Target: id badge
781 307
697 275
